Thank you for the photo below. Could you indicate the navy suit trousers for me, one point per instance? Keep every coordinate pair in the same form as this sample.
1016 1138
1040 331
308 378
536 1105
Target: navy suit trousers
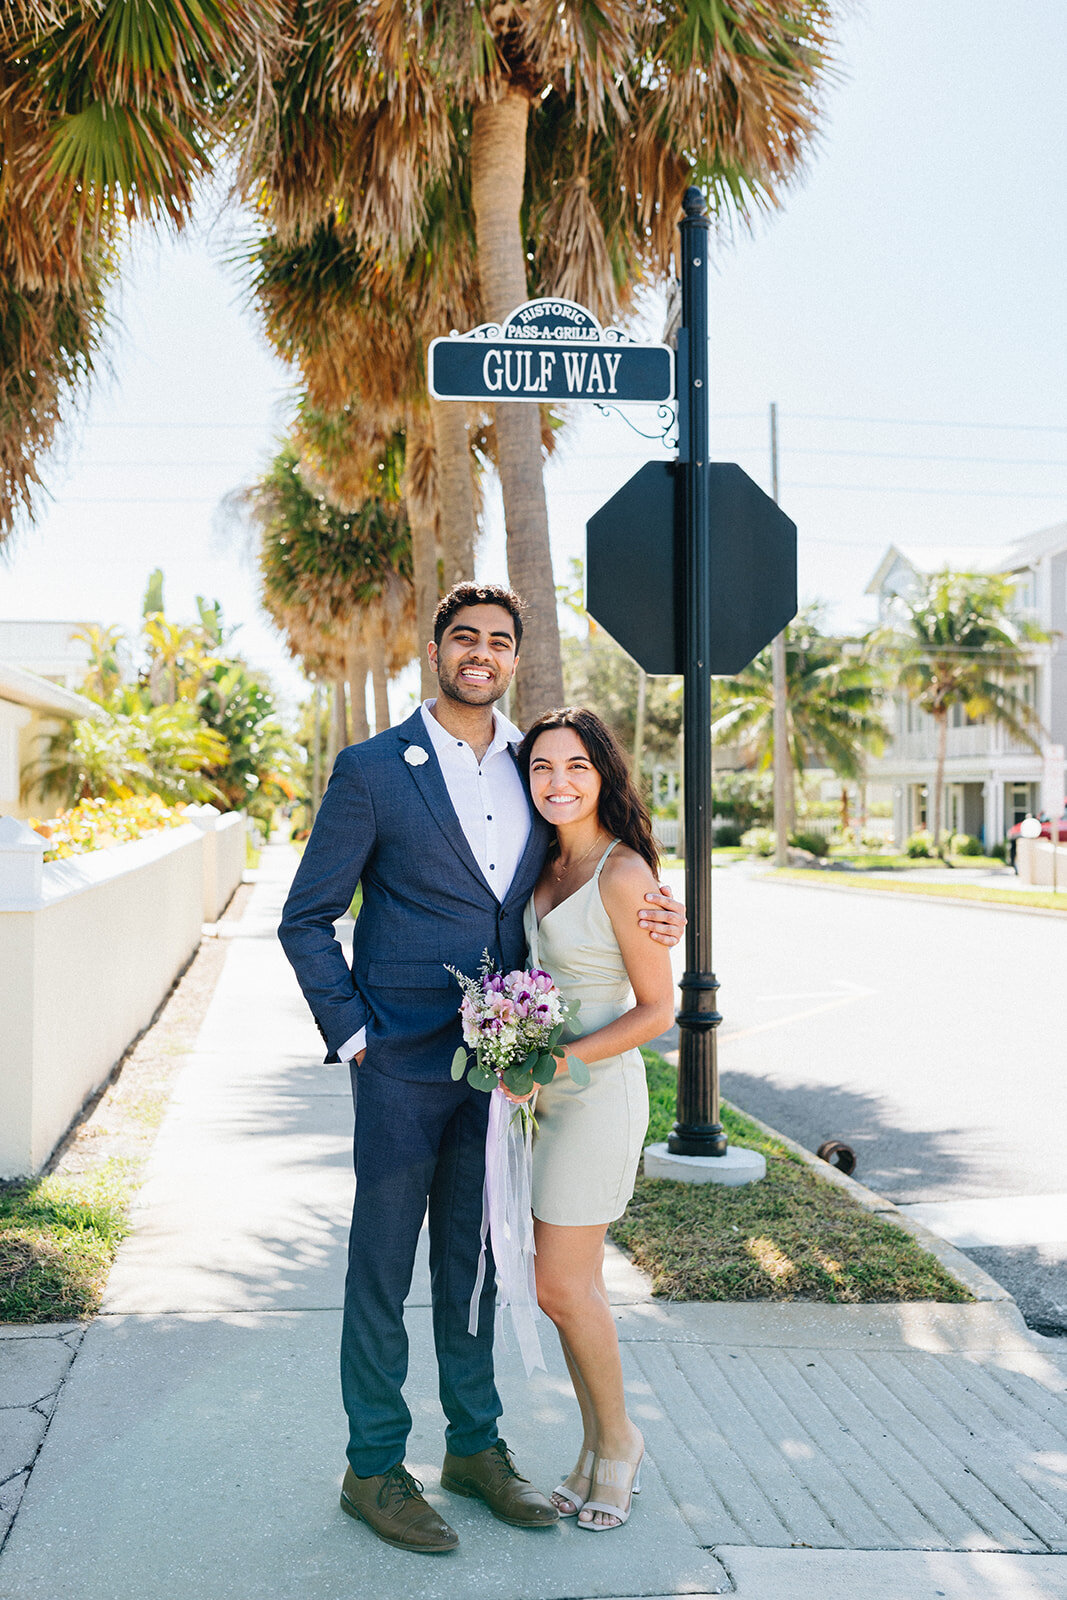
416 1144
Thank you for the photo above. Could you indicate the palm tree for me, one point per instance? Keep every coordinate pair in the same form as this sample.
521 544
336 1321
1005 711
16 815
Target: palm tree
358 329
722 94
108 114
957 643
338 581
833 715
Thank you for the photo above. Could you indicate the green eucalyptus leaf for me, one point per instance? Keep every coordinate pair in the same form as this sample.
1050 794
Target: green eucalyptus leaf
480 1077
545 1069
518 1080
459 1064
530 1061
555 1036
579 1071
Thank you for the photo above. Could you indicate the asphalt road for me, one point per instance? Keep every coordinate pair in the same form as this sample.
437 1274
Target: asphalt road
932 1038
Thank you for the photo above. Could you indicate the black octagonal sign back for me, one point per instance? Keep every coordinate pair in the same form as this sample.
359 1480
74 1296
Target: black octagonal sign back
635 568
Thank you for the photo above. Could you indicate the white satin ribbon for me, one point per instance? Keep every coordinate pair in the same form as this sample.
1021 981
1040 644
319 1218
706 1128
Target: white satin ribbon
507 1217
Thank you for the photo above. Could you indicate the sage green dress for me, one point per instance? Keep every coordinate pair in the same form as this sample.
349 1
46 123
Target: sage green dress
588 1141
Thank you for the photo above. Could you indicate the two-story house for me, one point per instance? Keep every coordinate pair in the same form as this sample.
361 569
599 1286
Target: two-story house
992 780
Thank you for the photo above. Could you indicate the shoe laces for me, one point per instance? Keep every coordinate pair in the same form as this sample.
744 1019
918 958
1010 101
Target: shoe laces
399 1482
507 1467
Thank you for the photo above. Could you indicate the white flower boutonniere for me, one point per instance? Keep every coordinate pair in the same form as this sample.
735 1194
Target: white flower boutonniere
415 755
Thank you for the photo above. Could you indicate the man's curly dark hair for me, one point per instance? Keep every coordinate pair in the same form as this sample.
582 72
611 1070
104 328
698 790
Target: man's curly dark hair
477 594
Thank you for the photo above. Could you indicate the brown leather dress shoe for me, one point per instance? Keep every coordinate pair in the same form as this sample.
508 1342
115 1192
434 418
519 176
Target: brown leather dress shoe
391 1504
491 1476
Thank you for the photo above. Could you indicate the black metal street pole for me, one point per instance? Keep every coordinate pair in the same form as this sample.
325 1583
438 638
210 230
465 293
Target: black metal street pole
698 1131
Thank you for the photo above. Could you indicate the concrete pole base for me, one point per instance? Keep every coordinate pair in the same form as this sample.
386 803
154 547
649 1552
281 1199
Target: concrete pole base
737 1166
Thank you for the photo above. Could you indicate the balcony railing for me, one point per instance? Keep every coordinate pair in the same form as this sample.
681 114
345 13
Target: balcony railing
981 739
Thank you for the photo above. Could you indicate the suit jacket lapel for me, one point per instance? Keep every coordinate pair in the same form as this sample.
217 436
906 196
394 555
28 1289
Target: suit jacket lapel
430 782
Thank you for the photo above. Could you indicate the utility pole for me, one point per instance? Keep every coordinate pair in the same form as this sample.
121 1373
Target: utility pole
778 681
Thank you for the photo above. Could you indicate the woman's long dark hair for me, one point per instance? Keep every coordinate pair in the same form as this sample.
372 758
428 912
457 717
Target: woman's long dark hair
620 809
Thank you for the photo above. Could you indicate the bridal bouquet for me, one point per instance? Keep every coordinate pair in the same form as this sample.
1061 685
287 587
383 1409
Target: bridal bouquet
513 1022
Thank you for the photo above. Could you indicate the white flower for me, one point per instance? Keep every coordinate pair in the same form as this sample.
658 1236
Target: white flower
415 755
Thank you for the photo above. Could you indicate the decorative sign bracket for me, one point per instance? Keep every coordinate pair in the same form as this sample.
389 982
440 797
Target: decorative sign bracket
550 351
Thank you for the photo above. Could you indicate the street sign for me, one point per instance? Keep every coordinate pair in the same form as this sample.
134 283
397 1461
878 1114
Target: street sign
635 567
550 350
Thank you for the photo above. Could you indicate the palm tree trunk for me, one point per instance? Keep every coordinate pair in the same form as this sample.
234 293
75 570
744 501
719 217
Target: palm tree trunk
316 750
381 694
422 518
356 672
498 172
639 723
455 490
338 722
941 718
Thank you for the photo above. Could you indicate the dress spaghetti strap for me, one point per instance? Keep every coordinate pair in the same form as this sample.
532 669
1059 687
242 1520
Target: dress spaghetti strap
604 857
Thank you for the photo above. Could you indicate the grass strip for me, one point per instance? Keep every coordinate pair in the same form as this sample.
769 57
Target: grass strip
872 861
1029 899
58 1238
788 1237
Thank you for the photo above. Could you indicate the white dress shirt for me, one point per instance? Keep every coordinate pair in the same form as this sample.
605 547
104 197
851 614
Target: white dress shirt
489 798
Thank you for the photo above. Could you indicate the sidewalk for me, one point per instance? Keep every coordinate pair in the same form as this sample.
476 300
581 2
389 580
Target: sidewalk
197 1445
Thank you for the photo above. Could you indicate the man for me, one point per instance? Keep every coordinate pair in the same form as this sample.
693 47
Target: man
433 820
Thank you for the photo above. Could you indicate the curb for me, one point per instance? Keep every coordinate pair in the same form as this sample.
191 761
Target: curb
961 1267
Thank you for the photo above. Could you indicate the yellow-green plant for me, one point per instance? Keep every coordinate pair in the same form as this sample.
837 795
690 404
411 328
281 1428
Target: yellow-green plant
101 824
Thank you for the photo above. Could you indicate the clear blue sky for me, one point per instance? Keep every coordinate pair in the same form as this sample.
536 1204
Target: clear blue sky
906 309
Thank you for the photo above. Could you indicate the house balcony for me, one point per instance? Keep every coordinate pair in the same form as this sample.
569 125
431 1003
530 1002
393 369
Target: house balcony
977 739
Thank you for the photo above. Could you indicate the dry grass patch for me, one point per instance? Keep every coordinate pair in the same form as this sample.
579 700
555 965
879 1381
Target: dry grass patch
789 1237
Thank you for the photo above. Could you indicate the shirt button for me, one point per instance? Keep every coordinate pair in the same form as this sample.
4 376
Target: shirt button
492 866
488 819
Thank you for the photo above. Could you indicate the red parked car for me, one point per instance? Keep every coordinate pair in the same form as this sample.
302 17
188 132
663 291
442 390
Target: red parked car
1046 828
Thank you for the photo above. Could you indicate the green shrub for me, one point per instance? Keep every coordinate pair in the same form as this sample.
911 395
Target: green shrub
744 797
998 851
727 835
920 845
759 840
814 843
965 844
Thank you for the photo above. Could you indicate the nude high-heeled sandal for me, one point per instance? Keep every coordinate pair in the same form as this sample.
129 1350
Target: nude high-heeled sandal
613 1475
584 1469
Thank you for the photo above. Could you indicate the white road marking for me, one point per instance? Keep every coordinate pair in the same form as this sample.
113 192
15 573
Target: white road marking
794 1016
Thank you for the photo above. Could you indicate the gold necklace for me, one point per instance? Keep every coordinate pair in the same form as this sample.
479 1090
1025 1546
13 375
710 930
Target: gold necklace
559 876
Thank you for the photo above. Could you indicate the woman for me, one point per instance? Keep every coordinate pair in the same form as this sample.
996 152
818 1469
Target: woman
582 927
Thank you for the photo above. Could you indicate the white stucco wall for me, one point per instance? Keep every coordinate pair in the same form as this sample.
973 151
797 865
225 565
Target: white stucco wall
224 855
1042 864
85 960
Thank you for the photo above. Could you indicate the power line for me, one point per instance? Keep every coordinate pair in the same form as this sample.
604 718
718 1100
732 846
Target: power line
904 455
966 494
940 422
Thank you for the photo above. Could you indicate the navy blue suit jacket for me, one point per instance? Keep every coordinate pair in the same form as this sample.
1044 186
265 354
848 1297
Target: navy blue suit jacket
389 825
